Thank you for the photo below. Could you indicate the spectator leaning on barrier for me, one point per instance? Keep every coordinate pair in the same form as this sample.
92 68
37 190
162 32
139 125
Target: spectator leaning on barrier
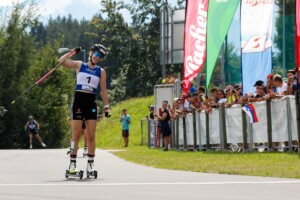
201 90
290 73
214 95
177 78
179 108
165 79
280 85
171 79
195 102
281 88
222 98
291 82
211 101
259 94
186 104
238 93
173 108
230 95
296 85
270 87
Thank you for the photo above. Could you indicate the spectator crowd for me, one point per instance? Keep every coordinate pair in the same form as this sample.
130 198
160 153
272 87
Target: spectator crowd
199 99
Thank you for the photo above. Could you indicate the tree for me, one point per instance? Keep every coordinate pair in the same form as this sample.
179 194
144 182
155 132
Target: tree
16 51
289 40
23 61
116 35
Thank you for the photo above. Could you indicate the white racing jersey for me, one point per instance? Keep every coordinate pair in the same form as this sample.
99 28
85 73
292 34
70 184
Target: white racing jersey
88 79
31 124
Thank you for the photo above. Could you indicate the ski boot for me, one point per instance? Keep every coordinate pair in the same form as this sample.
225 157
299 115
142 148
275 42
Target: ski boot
73 172
71 150
84 152
90 170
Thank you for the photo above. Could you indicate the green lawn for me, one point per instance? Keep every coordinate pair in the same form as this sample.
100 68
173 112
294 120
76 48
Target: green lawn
254 164
109 129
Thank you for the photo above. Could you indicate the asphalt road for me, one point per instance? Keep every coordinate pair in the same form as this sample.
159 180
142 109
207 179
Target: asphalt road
40 174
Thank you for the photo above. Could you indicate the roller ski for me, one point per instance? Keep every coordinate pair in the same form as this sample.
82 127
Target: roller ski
72 172
90 172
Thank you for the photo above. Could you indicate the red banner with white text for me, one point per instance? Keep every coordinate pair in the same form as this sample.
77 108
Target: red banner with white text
194 40
297 39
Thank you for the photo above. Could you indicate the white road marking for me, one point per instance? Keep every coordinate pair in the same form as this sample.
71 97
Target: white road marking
153 184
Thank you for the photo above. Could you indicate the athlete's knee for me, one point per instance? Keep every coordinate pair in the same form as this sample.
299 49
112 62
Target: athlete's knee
91 137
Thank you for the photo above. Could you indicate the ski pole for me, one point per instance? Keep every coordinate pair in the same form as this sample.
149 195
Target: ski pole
76 50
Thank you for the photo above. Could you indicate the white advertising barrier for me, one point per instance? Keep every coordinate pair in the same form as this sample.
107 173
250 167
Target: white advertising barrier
234 131
293 118
260 133
189 129
279 120
214 128
180 131
202 127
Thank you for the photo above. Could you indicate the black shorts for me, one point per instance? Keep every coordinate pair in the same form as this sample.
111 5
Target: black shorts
33 131
125 133
84 106
166 130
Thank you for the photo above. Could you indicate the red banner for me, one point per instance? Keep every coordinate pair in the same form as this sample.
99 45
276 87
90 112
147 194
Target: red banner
297 39
194 40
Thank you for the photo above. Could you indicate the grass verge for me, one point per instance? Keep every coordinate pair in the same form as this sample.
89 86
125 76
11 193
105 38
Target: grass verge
282 165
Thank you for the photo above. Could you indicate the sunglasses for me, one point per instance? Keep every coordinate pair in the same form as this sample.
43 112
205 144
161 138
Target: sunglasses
98 54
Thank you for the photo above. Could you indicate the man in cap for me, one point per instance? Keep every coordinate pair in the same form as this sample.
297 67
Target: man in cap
259 94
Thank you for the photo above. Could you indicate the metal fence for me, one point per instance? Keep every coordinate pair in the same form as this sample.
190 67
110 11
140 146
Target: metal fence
229 128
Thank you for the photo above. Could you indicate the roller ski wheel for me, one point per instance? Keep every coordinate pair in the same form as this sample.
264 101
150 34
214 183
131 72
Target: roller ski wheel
67 173
80 174
93 174
74 175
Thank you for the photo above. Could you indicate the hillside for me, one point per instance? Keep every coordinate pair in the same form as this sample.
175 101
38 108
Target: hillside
109 129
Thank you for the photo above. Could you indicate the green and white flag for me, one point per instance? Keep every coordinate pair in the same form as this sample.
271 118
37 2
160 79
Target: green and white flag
220 15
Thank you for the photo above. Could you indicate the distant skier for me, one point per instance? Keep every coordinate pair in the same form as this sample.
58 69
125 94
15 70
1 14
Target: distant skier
32 127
